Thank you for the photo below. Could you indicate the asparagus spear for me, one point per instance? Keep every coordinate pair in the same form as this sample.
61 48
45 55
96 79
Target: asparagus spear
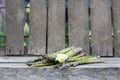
83 60
74 52
29 63
71 51
75 57
53 55
62 57
43 64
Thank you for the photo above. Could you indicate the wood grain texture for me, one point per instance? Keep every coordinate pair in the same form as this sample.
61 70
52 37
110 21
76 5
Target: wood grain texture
2 3
2 30
15 59
108 70
78 24
56 25
101 27
2 51
2 18
14 27
116 19
37 37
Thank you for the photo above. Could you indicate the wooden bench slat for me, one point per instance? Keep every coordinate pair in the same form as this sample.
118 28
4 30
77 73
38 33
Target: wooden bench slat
2 29
9 72
14 27
2 17
16 59
101 28
56 25
38 22
2 3
116 21
78 24
19 61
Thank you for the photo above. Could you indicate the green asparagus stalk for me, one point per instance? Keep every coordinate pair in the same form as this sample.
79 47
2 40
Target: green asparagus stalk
53 55
77 56
29 63
70 56
42 64
61 58
83 60
74 52
69 52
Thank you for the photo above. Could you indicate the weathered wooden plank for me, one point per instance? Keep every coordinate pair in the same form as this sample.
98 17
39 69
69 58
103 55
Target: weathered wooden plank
2 18
13 65
2 3
56 25
2 51
78 24
100 71
23 65
9 73
116 19
37 37
2 31
101 27
17 59
14 27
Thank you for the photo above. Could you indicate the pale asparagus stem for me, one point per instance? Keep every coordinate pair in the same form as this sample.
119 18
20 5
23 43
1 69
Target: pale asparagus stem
74 52
77 50
82 54
79 55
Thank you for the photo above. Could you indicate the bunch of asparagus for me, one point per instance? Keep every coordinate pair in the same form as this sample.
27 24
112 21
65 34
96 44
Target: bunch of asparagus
71 56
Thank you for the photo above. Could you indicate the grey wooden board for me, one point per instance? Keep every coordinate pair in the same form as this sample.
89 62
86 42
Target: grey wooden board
11 61
116 19
2 3
100 65
15 59
11 70
56 25
53 74
2 18
78 24
37 36
2 15
14 27
2 52
101 28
